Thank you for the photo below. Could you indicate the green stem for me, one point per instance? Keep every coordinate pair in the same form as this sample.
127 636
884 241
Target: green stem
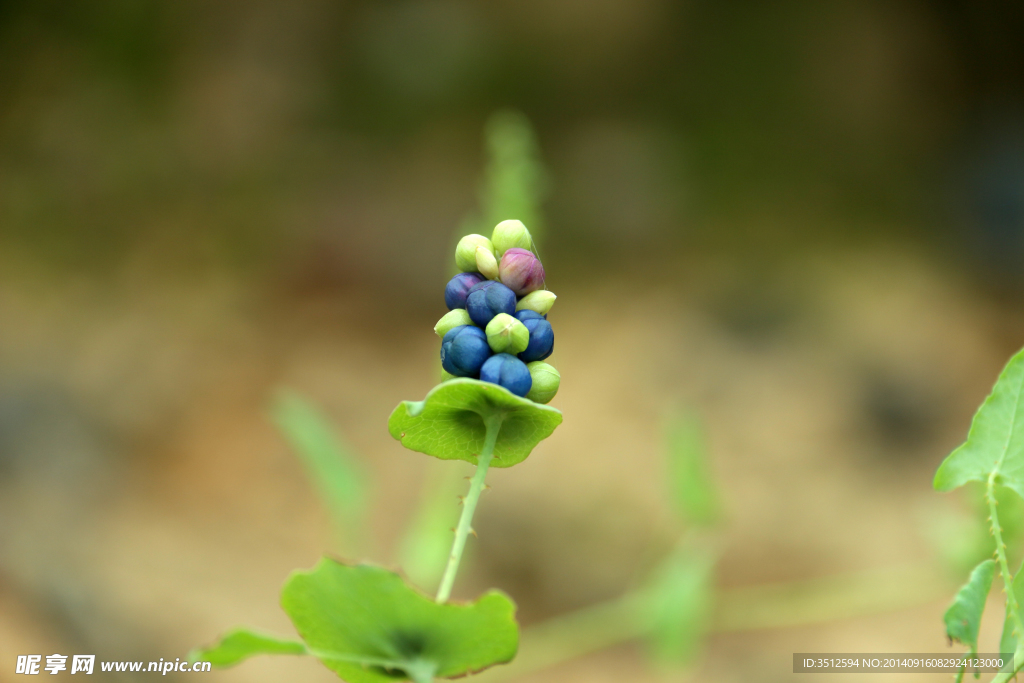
1004 567
476 486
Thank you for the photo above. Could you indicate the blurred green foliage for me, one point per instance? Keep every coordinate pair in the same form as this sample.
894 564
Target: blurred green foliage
961 535
679 603
1011 518
693 490
330 462
1010 638
515 181
963 618
992 455
427 541
679 597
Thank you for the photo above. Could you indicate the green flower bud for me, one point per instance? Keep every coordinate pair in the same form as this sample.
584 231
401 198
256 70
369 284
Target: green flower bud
451 319
509 234
545 382
486 263
505 334
465 253
540 301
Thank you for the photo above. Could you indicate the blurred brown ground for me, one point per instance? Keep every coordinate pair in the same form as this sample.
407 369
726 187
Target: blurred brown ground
788 219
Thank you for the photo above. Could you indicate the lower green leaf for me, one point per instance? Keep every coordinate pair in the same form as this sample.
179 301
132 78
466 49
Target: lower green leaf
368 625
963 618
241 644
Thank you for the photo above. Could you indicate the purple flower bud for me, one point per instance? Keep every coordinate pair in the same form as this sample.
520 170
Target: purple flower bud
457 289
509 372
521 271
488 299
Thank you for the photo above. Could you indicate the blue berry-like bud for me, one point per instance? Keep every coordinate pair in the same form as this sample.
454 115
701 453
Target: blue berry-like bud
542 340
525 315
509 372
464 350
458 287
488 299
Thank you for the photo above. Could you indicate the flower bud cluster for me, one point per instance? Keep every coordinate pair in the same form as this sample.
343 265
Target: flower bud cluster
496 328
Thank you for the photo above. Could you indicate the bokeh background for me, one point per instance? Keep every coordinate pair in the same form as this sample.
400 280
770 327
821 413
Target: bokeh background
801 224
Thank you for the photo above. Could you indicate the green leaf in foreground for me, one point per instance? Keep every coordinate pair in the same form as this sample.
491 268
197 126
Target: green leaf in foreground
449 422
995 443
241 644
369 626
963 618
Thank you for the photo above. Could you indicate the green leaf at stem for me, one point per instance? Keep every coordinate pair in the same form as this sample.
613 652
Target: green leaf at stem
995 442
449 422
963 618
243 643
369 626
